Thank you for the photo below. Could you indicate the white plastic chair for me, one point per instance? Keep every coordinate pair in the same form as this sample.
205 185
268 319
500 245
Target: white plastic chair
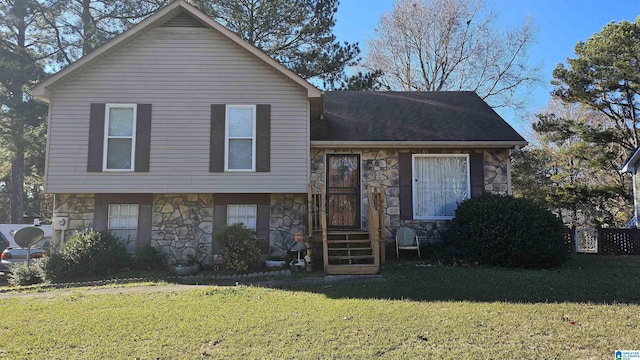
406 239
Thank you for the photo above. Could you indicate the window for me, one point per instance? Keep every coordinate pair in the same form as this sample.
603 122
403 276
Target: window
440 183
123 222
240 144
120 134
245 214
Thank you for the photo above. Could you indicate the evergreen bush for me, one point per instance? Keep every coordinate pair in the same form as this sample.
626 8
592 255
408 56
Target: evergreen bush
23 274
86 253
54 268
94 252
148 258
239 247
506 231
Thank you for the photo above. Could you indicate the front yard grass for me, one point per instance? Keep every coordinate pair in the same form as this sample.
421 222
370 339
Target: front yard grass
586 310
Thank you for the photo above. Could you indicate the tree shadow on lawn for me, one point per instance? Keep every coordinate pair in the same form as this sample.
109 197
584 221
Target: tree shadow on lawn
583 279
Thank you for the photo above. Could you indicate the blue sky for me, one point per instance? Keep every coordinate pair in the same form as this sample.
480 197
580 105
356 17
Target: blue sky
561 23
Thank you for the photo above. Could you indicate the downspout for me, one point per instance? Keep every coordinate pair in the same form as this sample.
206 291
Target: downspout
508 152
635 196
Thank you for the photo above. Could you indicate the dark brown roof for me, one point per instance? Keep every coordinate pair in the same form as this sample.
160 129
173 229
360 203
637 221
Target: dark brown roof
409 116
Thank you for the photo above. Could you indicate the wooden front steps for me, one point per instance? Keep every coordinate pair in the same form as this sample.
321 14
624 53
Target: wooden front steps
349 252
351 269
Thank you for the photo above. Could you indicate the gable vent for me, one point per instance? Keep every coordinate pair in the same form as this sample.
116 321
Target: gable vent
183 20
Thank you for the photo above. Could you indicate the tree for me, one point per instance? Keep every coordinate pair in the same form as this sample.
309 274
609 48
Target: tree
605 77
573 169
369 81
79 26
437 45
296 33
19 68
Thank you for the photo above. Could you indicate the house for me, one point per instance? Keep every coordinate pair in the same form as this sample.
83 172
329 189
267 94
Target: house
629 166
178 127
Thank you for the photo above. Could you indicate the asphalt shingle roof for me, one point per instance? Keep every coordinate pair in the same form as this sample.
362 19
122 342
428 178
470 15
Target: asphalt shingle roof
409 116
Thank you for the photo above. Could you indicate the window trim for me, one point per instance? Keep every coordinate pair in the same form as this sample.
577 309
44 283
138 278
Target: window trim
414 181
255 209
105 150
227 138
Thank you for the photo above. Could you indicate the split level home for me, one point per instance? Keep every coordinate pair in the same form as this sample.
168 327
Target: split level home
178 127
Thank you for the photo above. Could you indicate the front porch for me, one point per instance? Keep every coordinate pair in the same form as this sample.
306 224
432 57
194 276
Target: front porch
348 252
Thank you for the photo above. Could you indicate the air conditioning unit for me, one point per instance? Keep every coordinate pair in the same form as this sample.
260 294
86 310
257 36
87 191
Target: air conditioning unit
60 223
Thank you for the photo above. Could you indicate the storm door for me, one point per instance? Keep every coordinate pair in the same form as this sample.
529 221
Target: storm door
343 191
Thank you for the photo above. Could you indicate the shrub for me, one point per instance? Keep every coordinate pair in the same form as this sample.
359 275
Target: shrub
507 231
23 275
93 252
239 247
148 258
53 268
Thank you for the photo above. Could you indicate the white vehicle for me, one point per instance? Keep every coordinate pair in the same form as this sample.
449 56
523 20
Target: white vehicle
15 254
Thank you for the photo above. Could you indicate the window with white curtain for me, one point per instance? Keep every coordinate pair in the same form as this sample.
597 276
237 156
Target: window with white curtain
440 183
123 223
241 213
240 139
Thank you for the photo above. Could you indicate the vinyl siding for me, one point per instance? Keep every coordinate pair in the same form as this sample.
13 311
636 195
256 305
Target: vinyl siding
181 72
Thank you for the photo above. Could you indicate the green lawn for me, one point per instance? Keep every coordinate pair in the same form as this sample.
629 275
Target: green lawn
586 310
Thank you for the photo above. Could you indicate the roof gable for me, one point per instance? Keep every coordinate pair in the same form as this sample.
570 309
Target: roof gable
456 117
178 13
631 161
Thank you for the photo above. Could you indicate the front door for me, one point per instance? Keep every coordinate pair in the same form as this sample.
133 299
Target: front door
343 191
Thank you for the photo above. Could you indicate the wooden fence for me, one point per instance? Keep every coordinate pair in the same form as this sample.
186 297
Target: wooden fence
568 239
619 241
603 241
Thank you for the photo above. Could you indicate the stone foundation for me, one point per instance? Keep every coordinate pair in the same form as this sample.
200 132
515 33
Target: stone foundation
79 208
181 226
288 217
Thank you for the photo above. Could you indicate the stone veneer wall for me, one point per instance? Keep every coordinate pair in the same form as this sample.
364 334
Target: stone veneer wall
182 226
79 208
380 167
288 217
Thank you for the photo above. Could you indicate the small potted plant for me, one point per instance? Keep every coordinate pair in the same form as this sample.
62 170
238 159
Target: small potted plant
275 261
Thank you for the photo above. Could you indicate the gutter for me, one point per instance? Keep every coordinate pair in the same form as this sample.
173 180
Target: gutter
420 144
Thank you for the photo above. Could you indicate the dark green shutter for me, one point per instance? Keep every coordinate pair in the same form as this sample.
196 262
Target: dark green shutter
263 138
216 146
96 138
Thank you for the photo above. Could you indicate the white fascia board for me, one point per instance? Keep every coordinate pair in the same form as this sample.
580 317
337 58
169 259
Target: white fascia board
631 162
